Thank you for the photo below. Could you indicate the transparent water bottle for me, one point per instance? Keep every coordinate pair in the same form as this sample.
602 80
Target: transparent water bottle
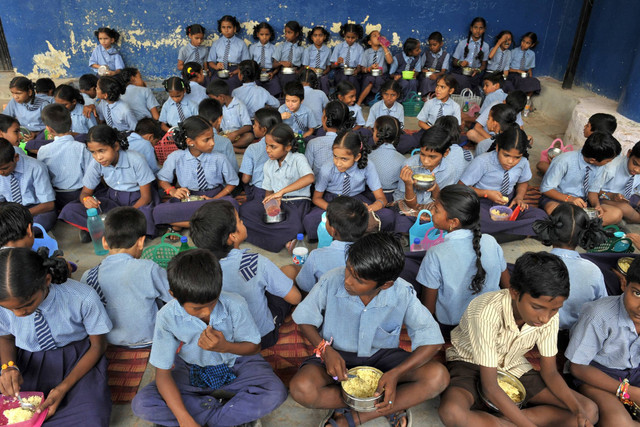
184 245
324 238
416 246
96 230
300 250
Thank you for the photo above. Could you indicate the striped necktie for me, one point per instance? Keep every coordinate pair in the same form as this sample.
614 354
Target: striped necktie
585 181
291 53
504 189
109 118
348 58
16 195
434 64
346 185
299 123
375 58
197 55
225 57
317 58
92 280
522 65
43 332
262 56
440 110
202 180
628 188
180 112
501 60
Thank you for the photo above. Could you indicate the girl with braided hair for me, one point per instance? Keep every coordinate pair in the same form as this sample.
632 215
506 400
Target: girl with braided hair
336 118
472 52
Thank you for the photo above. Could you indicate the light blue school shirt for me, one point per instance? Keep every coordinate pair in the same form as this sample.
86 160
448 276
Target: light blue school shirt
616 175
430 60
238 50
79 123
254 97
587 284
566 172
493 98
331 180
169 113
286 49
320 261
109 57
319 151
87 99
380 109
429 112
484 116
72 310
276 177
362 329
253 162
474 48
394 68
483 146
33 178
486 173
234 116
223 145
388 163
140 145
255 52
355 52
140 101
458 158
198 93
28 114
357 112
500 61
66 160
310 56
450 267
183 165
315 100
367 59
121 114
176 329
131 288
48 98
260 275
305 119
605 334
129 174
529 59
187 53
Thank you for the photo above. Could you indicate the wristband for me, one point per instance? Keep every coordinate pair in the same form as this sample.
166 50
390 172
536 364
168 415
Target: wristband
320 349
567 198
9 365
168 190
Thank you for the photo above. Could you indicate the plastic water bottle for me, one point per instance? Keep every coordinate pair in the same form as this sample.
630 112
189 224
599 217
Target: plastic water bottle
324 238
184 245
466 107
300 250
96 230
302 145
527 107
416 246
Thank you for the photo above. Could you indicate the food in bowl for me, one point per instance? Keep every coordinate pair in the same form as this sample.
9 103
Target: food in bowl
624 263
193 198
496 212
18 415
510 390
364 385
500 213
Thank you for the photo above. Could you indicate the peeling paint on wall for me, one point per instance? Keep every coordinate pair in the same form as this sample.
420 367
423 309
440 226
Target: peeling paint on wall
53 63
372 27
335 27
396 40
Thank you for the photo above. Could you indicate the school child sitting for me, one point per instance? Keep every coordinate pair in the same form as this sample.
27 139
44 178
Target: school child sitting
376 57
88 83
496 330
25 106
523 60
346 92
211 110
44 89
105 53
501 117
269 293
228 51
603 353
347 221
16 226
621 181
516 100
112 110
500 55
471 53
129 287
436 60
10 130
193 51
72 100
297 116
53 331
314 99
407 60
253 96
353 317
137 95
467 264
262 52
65 158
387 131
492 87
176 109
193 73
316 57
576 177
236 122
347 54
287 56
204 341
256 156
147 134
388 106
335 118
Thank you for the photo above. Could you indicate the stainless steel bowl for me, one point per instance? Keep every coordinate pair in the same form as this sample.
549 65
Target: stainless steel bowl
423 181
192 198
524 74
362 404
430 72
319 71
267 219
349 71
508 378
103 70
623 264
553 152
264 77
467 71
223 74
288 70
375 72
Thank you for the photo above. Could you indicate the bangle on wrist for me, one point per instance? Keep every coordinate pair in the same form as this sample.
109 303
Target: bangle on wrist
168 190
408 200
322 347
567 198
9 365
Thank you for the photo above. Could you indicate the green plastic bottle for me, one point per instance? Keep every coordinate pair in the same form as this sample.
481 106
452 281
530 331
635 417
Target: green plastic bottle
302 145
184 245
466 107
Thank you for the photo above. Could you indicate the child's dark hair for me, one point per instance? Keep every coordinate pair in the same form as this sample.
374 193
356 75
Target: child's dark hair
540 274
249 70
15 219
45 85
23 272
601 146
106 135
391 85
176 83
195 29
296 28
218 87
635 151
343 88
338 116
148 126
25 85
349 217
436 36
461 202
68 93
510 138
502 33
355 143
112 87
517 100
449 80
267 117
533 37
191 128
211 226
570 225
109 32
388 129
436 139
410 45
88 81
283 135
376 256
633 273
308 75
210 109
263 25
450 124
494 78
190 71
7 152
6 122
504 115
195 276
352 28
602 122
57 117
327 36
123 226
294 88
480 55
230 19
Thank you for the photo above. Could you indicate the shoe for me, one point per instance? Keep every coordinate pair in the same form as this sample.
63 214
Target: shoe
85 237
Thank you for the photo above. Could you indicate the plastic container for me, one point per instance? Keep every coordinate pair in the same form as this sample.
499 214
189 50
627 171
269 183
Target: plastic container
9 402
466 107
302 144
416 246
272 207
300 250
324 238
500 213
408 75
161 253
184 244
96 230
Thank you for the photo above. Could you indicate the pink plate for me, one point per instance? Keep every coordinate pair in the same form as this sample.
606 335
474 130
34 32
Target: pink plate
8 402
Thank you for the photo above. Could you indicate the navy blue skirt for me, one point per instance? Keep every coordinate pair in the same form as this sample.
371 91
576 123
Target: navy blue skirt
272 86
177 211
522 226
254 192
525 84
353 79
467 82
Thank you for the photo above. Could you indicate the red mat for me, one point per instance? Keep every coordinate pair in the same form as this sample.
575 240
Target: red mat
125 371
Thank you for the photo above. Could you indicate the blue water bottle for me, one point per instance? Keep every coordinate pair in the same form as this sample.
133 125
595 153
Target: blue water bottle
324 238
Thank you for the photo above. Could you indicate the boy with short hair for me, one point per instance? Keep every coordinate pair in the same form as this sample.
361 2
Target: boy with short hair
44 89
16 226
435 59
128 286
217 345
147 134
297 116
88 83
353 316
496 331
211 110
236 122
622 184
